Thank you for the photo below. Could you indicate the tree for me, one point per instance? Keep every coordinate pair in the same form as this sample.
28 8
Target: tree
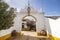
6 16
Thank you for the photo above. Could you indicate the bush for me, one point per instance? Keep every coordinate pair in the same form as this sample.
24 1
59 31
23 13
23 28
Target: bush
43 33
14 33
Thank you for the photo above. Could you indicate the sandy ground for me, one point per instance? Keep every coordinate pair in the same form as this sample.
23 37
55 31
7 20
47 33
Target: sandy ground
29 36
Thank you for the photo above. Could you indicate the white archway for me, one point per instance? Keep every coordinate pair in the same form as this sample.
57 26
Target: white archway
39 17
29 23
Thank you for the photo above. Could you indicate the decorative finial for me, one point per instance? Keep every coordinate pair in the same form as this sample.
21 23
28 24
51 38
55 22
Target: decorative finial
28 9
28 3
41 10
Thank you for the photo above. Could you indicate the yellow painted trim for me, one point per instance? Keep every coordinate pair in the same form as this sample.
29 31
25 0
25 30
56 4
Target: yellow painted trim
5 37
31 16
50 36
53 37
25 29
19 34
38 34
9 35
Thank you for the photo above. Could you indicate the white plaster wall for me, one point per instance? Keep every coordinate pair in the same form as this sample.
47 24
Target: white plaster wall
47 26
53 26
7 31
18 21
40 21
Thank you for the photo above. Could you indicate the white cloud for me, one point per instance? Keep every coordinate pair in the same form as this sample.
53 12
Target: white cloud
17 3
7 0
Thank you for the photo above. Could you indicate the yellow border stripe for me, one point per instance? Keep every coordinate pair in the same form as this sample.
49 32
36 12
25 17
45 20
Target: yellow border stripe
8 35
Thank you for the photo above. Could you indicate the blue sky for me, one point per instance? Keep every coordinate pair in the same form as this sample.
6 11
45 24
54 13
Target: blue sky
50 7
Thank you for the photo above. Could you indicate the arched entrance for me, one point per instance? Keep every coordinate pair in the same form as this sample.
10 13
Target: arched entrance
28 23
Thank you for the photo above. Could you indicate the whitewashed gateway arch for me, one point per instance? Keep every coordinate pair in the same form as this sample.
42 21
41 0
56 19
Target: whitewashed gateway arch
39 16
42 22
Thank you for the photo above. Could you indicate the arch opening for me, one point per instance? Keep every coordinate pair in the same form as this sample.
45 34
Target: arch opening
29 23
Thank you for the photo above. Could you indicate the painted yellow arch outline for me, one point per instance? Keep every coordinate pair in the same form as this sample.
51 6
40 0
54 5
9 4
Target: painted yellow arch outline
31 16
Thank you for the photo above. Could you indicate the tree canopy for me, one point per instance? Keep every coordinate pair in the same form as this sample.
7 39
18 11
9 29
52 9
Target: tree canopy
6 15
